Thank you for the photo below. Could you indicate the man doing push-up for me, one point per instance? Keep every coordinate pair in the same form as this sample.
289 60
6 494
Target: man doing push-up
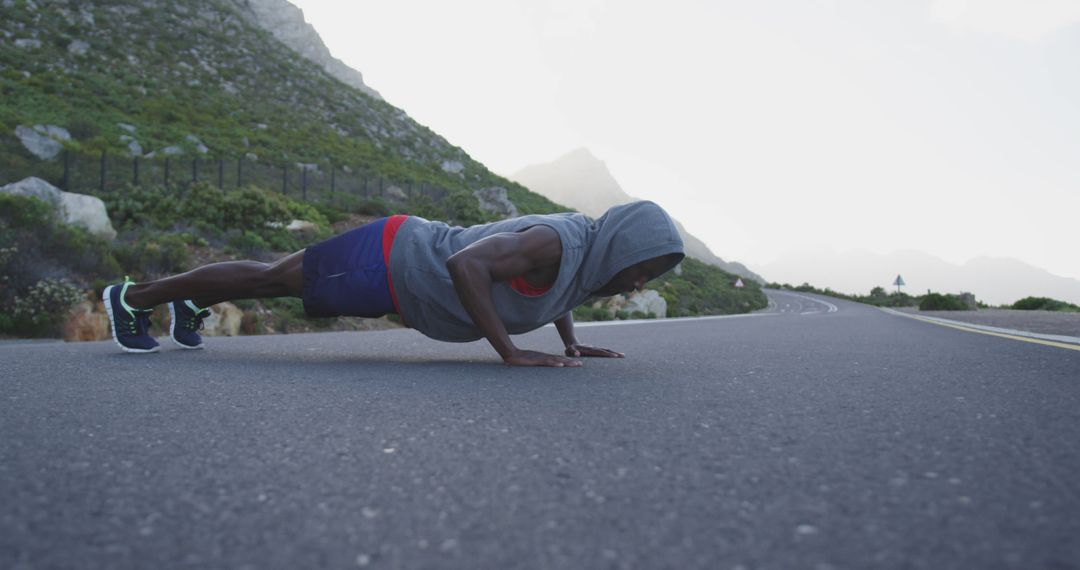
450 283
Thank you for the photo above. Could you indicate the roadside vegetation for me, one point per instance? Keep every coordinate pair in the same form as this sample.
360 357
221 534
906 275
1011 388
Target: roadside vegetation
1044 304
46 266
695 289
700 289
878 297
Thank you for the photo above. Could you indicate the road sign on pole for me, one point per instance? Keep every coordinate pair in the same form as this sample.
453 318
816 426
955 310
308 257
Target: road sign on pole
899 282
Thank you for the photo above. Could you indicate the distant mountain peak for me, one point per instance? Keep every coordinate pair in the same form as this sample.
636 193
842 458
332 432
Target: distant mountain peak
582 181
582 153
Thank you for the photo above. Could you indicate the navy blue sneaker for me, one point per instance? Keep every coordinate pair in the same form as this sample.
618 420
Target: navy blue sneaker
187 320
130 326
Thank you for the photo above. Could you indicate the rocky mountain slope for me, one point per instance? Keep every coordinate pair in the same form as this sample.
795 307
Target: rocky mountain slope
582 181
206 78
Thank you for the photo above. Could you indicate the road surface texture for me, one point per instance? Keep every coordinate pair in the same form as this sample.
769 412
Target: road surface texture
820 435
1046 322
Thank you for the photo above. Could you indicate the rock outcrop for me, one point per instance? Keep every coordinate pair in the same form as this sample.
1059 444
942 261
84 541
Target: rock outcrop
224 320
87 322
495 201
286 22
43 141
649 302
87 212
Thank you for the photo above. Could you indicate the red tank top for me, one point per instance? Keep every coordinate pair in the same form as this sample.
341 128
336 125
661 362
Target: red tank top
390 229
522 286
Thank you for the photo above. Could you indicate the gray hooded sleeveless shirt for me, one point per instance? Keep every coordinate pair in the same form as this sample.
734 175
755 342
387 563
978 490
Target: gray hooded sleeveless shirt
592 253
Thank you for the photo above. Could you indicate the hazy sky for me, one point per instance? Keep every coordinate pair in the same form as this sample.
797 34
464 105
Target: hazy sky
945 126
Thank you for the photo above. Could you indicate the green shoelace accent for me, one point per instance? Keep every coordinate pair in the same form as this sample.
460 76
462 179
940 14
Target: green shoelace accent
195 323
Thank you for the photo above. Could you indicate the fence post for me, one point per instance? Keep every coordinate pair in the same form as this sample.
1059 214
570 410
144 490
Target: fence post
285 179
194 170
239 171
303 181
67 171
135 170
363 180
221 174
166 172
102 188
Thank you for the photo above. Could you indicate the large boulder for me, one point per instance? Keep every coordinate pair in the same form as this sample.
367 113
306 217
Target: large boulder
78 47
43 141
494 200
649 302
224 320
395 193
80 210
87 322
452 166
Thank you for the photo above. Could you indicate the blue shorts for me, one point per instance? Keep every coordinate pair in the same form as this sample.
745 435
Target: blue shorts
346 275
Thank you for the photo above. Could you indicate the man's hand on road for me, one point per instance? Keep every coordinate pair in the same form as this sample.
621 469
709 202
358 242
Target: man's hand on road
534 358
585 350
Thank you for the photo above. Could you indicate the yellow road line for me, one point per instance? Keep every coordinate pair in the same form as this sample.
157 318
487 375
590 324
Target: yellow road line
991 333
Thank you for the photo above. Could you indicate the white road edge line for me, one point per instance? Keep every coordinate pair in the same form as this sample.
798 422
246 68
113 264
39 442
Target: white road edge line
832 308
661 321
1014 332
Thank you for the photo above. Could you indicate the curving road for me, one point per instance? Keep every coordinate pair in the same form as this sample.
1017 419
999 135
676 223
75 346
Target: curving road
817 434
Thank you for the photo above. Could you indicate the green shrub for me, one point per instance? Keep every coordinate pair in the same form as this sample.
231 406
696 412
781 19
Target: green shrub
704 289
150 256
23 212
248 244
38 247
465 209
939 302
7 323
202 205
586 313
1044 304
341 206
425 208
42 308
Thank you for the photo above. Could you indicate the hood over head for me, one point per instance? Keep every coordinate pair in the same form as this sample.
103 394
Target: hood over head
627 235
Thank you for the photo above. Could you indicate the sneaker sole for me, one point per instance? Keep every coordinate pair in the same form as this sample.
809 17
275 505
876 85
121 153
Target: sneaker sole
172 331
112 326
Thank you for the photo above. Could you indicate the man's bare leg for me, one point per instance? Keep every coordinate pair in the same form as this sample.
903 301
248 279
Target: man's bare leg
218 282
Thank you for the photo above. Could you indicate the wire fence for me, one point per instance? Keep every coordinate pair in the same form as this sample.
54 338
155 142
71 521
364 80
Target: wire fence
89 174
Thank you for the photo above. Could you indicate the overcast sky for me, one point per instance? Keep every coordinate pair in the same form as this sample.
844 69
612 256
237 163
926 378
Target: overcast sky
949 127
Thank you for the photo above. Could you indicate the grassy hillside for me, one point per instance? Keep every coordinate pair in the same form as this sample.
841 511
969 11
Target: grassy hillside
189 72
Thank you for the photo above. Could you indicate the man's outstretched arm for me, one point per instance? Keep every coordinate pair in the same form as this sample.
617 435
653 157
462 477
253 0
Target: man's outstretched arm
565 326
498 258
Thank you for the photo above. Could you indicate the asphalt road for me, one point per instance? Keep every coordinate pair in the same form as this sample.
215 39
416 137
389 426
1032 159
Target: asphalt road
822 436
